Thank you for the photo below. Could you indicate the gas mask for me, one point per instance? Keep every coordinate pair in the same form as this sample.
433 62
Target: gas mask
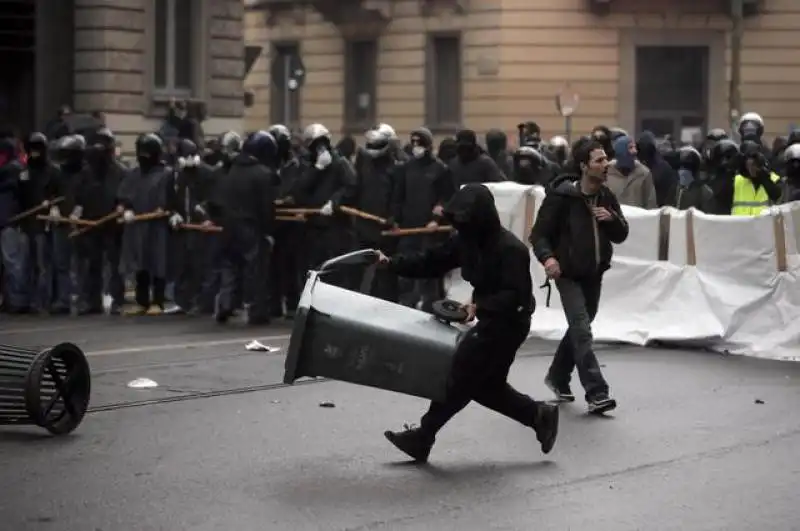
190 161
418 152
324 158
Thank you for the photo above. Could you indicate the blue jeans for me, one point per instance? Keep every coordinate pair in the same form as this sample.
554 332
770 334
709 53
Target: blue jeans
14 254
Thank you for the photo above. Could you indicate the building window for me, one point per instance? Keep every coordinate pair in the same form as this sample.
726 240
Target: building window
284 89
443 83
173 70
360 85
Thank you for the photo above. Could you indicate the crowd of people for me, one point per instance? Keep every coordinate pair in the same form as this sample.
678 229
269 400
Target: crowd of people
232 225
203 222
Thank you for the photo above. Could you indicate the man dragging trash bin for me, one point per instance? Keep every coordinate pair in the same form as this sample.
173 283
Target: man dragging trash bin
497 264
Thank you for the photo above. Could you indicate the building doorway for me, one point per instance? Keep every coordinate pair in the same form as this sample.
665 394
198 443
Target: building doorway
672 91
18 65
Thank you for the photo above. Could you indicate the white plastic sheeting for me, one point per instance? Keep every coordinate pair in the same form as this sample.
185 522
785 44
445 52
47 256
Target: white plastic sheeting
723 284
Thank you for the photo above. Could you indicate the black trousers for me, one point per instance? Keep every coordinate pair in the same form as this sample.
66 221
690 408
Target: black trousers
190 262
419 292
99 251
149 290
287 269
480 373
385 284
324 243
580 299
244 267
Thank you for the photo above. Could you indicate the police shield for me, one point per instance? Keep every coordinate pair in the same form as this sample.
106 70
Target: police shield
352 337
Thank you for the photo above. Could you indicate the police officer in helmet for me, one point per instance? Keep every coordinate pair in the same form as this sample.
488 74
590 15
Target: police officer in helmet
243 204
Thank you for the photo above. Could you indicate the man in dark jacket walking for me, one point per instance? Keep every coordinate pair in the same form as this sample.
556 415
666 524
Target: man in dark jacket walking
577 223
497 265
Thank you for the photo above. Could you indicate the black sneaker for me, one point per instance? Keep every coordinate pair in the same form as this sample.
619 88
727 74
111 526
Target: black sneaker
601 404
221 315
412 442
563 392
546 425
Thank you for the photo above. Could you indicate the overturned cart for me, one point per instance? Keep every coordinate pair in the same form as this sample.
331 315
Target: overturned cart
350 336
48 388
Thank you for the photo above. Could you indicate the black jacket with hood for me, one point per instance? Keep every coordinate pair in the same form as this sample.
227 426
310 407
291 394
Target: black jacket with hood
245 196
566 229
497 148
664 177
480 169
492 259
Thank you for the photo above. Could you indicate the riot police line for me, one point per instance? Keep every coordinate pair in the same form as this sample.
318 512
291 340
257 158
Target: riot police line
74 215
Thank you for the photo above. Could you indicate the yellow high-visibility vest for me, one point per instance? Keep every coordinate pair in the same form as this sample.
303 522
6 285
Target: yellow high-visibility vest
747 201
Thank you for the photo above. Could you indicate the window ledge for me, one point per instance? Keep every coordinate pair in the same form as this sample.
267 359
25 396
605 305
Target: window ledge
165 95
445 128
357 128
159 100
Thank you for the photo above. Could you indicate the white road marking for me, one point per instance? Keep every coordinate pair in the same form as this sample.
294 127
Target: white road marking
181 346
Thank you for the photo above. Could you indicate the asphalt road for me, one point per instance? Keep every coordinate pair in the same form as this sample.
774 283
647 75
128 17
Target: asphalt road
692 446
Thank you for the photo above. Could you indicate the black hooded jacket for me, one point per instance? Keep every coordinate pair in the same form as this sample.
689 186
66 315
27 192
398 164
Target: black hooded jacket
497 148
35 189
373 192
664 177
420 185
481 169
336 183
96 191
494 261
245 196
567 230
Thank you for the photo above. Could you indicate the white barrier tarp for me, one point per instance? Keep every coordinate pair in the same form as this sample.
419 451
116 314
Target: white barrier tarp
734 299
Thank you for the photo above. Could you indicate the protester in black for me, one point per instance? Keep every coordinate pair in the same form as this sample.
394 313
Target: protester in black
497 265
578 221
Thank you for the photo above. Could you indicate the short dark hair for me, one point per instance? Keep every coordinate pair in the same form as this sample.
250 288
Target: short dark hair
584 154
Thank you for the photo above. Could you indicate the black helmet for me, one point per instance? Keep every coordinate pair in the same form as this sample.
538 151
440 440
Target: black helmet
725 153
36 142
283 136
717 134
262 146
231 143
149 145
689 159
72 143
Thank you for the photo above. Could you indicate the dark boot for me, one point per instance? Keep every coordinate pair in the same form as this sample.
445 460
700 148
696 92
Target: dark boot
412 442
545 425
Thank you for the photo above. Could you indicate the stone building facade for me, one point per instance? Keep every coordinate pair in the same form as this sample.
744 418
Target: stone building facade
127 58
493 63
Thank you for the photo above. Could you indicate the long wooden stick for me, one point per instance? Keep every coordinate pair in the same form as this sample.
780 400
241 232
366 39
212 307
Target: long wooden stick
301 211
102 221
66 221
200 228
363 215
296 217
150 216
34 210
417 230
